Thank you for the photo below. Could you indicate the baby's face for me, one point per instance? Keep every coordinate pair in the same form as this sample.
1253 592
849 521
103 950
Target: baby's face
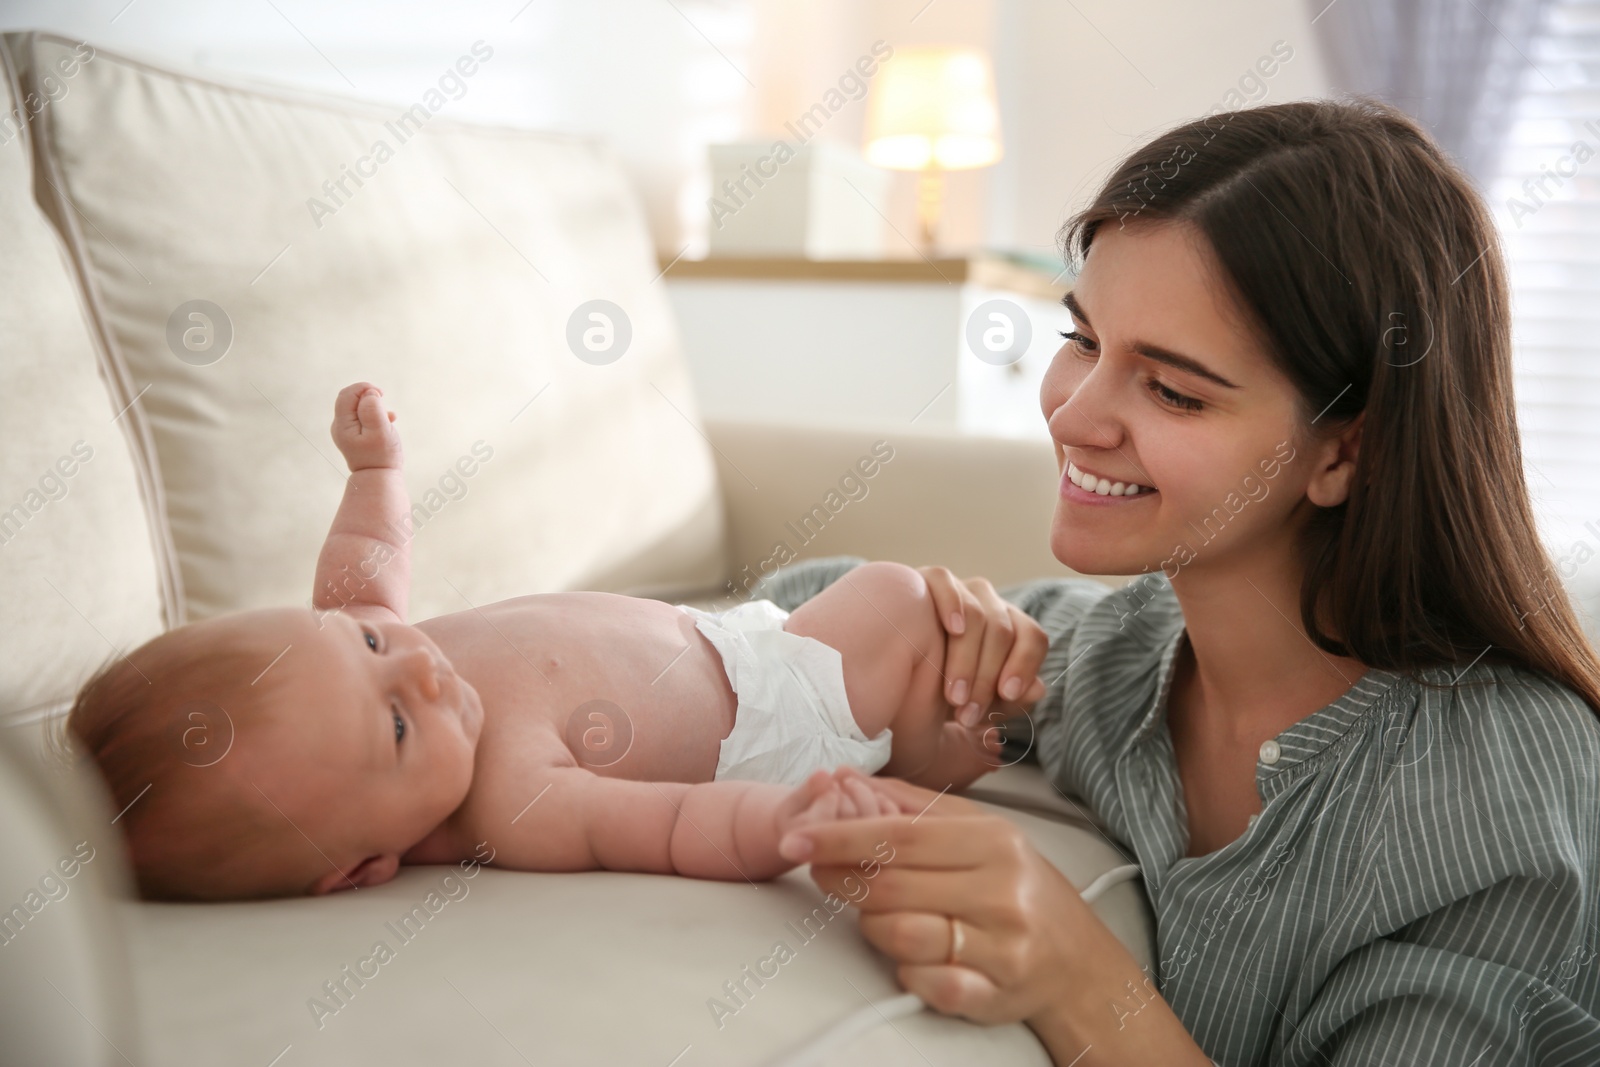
370 741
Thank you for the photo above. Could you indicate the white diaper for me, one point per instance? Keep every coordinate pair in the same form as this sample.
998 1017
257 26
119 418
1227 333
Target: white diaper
793 715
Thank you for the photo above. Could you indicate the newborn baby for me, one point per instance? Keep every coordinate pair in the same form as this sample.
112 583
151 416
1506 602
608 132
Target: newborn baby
291 750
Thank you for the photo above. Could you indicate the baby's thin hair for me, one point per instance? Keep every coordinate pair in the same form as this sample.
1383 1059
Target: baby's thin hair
159 725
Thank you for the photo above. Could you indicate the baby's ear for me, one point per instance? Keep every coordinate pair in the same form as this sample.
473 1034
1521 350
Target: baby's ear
374 870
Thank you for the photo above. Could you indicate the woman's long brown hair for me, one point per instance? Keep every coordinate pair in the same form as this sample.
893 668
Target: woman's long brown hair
1374 273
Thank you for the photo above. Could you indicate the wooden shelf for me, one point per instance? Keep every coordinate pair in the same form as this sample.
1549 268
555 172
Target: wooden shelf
988 271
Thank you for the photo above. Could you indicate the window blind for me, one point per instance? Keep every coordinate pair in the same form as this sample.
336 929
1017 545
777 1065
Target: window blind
1546 199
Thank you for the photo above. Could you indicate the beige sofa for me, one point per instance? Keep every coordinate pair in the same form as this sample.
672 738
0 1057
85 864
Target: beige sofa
160 467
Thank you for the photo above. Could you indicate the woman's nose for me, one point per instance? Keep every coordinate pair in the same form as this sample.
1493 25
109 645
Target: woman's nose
1084 416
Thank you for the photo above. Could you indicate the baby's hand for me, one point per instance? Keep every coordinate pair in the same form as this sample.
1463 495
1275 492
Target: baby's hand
362 430
846 793
826 797
912 799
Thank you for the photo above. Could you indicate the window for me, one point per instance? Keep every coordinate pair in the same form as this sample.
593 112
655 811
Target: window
1546 200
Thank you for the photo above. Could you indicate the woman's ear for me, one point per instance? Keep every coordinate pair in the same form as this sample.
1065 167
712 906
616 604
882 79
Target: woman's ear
1336 466
374 870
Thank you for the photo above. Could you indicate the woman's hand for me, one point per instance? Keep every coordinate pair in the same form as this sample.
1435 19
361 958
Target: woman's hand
993 648
1025 929
1031 949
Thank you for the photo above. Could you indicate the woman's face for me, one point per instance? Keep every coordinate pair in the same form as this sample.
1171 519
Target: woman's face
1214 435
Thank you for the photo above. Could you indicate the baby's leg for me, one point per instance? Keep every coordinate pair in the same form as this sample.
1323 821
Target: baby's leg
882 619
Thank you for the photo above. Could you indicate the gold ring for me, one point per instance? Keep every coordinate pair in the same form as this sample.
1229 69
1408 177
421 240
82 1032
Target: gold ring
956 938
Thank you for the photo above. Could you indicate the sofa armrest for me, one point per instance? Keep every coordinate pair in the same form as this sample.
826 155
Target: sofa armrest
978 505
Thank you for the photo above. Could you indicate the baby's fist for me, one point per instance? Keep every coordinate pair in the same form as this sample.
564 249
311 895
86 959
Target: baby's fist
362 428
827 797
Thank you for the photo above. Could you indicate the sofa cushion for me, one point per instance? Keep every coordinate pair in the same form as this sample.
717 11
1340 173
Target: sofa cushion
78 560
488 966
248 251
66 989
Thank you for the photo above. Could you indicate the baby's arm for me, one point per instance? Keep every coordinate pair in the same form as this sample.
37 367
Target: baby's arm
366 560
581 821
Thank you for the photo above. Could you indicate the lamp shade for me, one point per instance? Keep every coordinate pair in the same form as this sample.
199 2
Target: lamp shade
933 108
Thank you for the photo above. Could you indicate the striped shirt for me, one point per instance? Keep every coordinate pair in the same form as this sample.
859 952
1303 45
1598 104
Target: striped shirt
1420 886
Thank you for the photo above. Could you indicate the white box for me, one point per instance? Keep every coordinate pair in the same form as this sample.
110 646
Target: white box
818 200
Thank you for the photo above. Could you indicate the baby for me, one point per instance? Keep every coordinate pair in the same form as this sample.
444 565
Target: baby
288 751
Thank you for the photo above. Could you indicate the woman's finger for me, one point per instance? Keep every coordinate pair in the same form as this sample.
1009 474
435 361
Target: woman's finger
955 842
913 937
999 634
963 642
894 887
956 991
1019 673
948 597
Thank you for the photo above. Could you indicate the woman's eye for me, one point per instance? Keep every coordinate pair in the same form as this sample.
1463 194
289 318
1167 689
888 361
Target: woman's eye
372 639
1175 400
1162 393
1079 341
399 727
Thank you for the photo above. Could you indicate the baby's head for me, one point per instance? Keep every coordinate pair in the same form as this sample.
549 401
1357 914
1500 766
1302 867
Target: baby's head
278 752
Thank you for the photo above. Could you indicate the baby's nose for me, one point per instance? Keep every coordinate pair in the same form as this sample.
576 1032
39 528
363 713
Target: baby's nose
426 672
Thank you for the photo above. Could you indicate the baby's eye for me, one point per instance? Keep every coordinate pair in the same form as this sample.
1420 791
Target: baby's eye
399 727
372 639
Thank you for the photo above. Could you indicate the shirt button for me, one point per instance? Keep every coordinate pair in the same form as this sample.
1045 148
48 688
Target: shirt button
1270 752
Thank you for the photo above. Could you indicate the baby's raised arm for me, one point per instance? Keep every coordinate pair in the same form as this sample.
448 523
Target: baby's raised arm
366 560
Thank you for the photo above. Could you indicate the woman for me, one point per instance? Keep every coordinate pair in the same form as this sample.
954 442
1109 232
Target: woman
1345 717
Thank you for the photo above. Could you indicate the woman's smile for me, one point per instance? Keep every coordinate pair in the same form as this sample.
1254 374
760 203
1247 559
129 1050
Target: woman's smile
1082 487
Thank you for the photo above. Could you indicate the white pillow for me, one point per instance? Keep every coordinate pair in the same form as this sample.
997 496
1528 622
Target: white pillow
78 560
447 275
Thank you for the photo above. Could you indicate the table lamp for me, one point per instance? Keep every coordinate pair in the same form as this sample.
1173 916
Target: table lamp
933 110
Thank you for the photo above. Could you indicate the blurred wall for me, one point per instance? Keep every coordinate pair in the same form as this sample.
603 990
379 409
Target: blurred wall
660 79
1084 82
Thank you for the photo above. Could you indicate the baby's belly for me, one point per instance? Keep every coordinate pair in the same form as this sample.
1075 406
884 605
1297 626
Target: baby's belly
628 688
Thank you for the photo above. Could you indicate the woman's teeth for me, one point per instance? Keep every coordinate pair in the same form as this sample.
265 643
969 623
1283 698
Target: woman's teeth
1089 483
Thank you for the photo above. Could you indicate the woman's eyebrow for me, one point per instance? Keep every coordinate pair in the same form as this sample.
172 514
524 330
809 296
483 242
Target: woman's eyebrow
1156 352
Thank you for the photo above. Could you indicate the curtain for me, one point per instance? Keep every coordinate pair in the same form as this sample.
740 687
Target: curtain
1454 65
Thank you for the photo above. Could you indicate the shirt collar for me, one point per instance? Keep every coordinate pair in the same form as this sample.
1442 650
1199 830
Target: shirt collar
1165 670
1301 740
